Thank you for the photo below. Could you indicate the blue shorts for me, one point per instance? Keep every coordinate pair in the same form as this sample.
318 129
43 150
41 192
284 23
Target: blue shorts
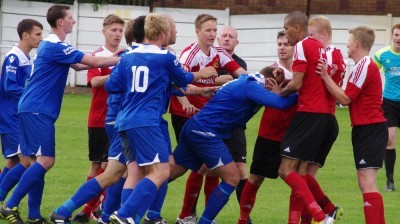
195 148
115 151
127 150
148 144
164 129
37 134
10 144
110 129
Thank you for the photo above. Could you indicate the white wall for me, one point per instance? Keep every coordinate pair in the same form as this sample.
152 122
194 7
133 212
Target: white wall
257 33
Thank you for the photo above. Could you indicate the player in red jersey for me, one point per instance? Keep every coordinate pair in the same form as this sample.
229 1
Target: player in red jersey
363 95
113 27
193 58
320 28
273 125
312 127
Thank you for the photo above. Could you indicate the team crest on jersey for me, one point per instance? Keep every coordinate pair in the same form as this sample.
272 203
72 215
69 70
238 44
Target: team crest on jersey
11 59
216 64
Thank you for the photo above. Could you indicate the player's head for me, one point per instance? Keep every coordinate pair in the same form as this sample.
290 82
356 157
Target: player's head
156 28
60 16
173 31
227 39
396 35
361 38
320 28
285 50
206 29
113 27
128 32
271 72
137 29
296 26
30 31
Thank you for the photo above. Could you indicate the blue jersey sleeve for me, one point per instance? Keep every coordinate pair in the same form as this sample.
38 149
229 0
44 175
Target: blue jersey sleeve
176 92
262 96
114 84
11 83
178 75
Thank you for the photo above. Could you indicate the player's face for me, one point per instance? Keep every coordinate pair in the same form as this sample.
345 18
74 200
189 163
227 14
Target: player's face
113 34
35 36
290 32
207 33
396 38
68 22
351 46
172 33
285 51
228 39
313 32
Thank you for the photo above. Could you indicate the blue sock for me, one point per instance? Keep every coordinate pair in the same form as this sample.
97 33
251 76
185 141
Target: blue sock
85 193
31 177
140 199
113 200
155 208
10 180
35 200
3 173
126 192
216 202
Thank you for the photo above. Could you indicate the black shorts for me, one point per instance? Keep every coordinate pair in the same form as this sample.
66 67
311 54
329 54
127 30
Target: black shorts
310 137
98 145
266 158
392 112
237 145
177 124
369 145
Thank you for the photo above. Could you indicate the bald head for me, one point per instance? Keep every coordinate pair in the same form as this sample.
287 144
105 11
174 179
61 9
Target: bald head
296 27
172 38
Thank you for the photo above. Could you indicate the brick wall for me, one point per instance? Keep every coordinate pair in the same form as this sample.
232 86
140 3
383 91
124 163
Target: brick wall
350 7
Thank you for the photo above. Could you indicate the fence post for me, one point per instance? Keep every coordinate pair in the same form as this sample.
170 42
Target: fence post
389 23
74 41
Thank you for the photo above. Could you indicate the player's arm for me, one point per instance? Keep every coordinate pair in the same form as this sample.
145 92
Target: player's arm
187 106
262 96
239 71
222 79
89 61
294 84
332 87
99 81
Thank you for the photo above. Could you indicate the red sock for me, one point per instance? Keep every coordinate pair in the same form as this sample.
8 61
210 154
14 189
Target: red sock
247 201
306 217
382 213
323 201
210 184
295 207
91 205
300 189
372 207
193 186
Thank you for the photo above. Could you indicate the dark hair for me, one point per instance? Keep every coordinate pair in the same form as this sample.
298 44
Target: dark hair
280 34
138 29
27 25
55 13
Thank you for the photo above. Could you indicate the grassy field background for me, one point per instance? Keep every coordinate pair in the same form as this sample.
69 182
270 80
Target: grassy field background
338 177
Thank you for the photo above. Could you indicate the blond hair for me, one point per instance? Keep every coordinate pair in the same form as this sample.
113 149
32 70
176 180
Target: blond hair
111 19
365 35
154 25
202 18
322 23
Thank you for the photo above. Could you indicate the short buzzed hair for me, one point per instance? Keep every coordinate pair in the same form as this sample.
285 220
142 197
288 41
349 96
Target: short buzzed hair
395 26
365 35
202 18
154 25
27 25
298 17
322 23
111 19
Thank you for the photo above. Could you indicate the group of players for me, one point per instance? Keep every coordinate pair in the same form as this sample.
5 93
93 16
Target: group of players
297 130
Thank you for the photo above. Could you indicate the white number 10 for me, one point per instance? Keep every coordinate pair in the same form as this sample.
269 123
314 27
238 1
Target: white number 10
138 73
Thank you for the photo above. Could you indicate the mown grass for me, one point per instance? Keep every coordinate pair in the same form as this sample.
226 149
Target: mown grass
338 177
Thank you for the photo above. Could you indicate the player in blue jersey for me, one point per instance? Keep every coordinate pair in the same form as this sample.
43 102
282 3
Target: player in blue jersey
144 76
201 139
15 72
40 104
388 59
